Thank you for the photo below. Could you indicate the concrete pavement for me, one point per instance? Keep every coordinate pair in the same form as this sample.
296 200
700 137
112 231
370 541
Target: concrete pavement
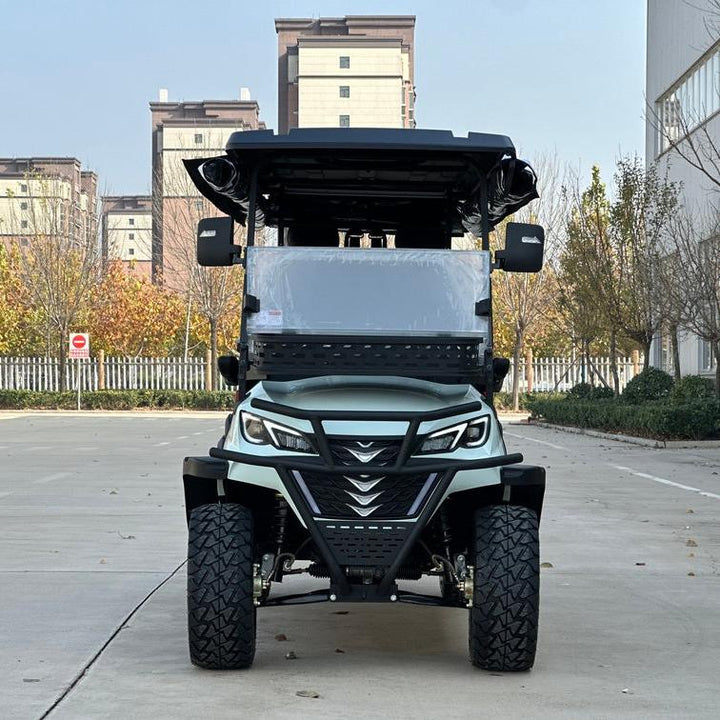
630 618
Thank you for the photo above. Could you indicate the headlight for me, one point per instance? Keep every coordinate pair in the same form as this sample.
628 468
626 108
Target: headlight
261 431
468 434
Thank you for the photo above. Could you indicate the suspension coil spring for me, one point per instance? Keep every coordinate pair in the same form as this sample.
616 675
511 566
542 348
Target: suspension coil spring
280 522
447 537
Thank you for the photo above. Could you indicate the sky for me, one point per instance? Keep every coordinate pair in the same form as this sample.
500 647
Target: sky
76 76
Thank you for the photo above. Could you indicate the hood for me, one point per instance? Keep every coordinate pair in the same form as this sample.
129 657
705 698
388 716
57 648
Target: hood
366 393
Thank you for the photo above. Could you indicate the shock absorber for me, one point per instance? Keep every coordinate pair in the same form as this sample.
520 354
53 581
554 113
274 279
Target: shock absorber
280 528
447 537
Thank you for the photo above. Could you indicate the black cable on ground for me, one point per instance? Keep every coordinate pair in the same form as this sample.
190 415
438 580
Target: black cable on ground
96 656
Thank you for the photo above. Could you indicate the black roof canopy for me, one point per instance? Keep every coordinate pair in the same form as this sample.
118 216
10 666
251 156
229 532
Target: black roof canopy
355 177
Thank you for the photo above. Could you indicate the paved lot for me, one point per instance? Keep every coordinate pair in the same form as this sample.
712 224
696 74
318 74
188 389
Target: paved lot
91 522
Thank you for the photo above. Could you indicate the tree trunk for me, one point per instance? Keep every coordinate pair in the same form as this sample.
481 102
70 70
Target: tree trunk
675 350
613 363
62 355
213 351
187 327
516 370
646 350
529 375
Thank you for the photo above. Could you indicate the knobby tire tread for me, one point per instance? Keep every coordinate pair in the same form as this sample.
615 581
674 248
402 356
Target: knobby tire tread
221 611
504 615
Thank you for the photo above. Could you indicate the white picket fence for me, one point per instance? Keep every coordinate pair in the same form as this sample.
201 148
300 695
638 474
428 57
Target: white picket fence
561 373
41 373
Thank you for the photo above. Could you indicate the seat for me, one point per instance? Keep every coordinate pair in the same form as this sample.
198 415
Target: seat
313 236
425 238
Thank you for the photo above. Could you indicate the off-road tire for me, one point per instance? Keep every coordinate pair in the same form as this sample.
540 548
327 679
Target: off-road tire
506 593
221 611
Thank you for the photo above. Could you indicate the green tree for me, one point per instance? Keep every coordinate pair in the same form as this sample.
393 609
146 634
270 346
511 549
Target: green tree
586 272
640 219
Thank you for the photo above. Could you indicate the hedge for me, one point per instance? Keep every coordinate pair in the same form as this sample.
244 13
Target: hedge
503 400
118 400
693 419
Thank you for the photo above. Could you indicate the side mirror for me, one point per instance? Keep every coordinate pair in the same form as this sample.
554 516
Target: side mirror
523 251
229 367
215 247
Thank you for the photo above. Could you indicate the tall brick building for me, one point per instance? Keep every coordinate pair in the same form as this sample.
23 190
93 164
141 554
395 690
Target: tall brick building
127 232
354 71
183 130
47 196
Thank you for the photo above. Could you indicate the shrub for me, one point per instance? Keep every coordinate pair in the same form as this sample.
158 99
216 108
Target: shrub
586 391
650 384
580 391
601 392
692 387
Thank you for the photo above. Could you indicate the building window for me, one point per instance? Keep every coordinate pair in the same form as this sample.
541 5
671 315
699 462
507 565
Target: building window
199 205
344 62
131 236
198 138
23 206
344 121
689 102
345 91
23 223
131 221
23 187
131 251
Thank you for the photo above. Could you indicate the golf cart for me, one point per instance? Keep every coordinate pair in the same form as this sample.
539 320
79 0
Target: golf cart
364 449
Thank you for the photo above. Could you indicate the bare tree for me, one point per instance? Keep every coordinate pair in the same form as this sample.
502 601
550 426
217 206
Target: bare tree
640 218
526 297
692 279
213 293
59 258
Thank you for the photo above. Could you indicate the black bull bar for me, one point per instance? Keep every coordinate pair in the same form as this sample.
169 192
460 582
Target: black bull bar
341 588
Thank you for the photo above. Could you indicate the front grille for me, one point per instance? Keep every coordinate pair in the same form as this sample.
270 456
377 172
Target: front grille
362 496
347 451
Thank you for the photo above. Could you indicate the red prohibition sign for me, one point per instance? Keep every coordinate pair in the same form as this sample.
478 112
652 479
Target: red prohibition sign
79 341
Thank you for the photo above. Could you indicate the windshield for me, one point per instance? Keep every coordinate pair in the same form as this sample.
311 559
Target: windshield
370 292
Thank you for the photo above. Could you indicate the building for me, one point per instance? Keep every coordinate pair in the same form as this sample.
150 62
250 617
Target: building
683 103
126 223
183 130
47 196
355 71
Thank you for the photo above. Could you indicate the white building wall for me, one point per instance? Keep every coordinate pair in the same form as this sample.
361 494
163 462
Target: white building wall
33 206
373 102
363 61
677 38
375 78
129 236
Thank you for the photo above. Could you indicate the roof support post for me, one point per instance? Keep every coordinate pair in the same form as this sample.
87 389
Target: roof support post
249 242
484 210
252 206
